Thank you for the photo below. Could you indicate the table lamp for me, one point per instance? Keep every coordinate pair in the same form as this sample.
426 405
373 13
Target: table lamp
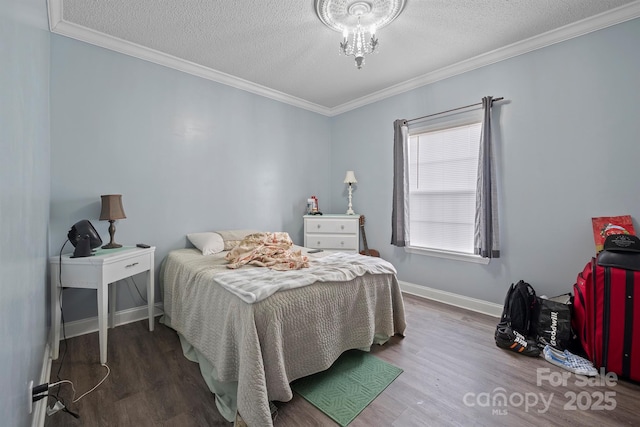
112 210
350 179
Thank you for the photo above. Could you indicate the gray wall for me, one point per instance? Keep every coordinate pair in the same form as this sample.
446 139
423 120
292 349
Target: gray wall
567 150
192 155
187 155
24 201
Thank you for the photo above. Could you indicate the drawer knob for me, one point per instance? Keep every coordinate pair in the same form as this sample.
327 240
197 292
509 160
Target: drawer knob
131 265
318 225
342 227
341 243
318 242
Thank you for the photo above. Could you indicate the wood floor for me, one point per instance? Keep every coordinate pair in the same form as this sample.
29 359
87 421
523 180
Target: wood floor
454 375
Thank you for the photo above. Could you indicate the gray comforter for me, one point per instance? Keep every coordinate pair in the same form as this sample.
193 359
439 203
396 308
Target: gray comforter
293 333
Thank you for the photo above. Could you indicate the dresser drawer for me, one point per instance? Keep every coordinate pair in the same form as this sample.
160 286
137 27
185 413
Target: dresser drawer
332 226
337 242
332 232
127 267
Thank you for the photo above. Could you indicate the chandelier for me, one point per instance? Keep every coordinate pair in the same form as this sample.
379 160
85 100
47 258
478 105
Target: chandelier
358 21
360 45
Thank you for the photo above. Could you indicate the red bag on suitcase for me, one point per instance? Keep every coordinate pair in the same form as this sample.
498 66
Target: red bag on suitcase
607 294
579 313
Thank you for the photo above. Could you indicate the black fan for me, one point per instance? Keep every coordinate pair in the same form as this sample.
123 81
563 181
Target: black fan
84 238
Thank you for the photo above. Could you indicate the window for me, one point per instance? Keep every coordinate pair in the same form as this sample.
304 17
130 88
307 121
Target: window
442 168
445 193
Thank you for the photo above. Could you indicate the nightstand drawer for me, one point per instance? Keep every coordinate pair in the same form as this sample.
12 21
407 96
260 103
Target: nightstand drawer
331 226
128 267
336 242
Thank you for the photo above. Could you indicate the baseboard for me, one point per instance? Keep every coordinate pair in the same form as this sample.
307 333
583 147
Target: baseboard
473 304
89 325
40 407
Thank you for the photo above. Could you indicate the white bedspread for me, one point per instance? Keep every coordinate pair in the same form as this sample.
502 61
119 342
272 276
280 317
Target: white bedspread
266 345
255 284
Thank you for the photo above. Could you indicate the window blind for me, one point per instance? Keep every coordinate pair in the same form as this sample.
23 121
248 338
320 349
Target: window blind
443 167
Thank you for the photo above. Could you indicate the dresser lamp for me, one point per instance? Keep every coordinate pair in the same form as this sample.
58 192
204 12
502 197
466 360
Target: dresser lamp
111 211
350 179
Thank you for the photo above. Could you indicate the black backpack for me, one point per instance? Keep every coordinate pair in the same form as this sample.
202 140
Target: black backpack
519 309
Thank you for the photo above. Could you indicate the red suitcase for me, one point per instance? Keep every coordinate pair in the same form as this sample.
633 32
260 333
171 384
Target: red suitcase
607 312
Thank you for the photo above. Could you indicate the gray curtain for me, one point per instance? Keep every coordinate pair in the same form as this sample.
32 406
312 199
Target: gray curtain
400 183
486 242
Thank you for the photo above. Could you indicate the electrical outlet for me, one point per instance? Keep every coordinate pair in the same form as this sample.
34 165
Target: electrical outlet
30 396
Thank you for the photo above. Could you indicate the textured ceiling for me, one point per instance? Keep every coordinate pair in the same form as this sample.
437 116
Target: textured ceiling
281 49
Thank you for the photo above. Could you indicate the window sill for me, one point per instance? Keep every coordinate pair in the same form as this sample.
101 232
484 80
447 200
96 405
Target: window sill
458 256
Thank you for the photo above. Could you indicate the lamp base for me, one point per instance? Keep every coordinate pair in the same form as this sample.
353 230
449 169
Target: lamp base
111 246
350 207
112 232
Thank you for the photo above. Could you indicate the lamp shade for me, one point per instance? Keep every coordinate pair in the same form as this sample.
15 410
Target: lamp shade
350 178
112 207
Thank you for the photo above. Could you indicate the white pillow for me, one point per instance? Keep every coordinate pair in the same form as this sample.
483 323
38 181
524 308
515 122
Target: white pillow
232 238
209 243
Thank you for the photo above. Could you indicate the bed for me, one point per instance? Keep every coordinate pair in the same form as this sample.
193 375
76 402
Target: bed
249 352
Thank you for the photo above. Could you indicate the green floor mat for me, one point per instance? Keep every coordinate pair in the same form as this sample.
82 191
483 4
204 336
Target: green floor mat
348 386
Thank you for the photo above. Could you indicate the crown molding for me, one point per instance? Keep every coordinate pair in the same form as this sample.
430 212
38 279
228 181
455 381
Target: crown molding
55 13
58 25
585 26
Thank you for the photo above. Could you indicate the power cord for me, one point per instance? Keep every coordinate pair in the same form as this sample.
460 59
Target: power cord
64 332
38 391
59 405
41 391
138 290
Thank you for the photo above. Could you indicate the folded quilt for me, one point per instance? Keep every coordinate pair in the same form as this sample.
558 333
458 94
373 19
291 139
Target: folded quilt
255 284
272 250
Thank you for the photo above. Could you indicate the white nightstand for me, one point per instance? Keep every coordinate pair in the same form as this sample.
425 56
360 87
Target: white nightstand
332 232
97 272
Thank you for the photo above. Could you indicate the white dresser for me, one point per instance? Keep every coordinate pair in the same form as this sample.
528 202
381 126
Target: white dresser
332 232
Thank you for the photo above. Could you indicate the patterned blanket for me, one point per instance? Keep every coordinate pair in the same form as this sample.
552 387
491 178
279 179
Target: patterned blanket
272 250
255 284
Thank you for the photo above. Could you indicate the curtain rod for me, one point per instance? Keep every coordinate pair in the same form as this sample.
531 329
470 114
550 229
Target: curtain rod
455 109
